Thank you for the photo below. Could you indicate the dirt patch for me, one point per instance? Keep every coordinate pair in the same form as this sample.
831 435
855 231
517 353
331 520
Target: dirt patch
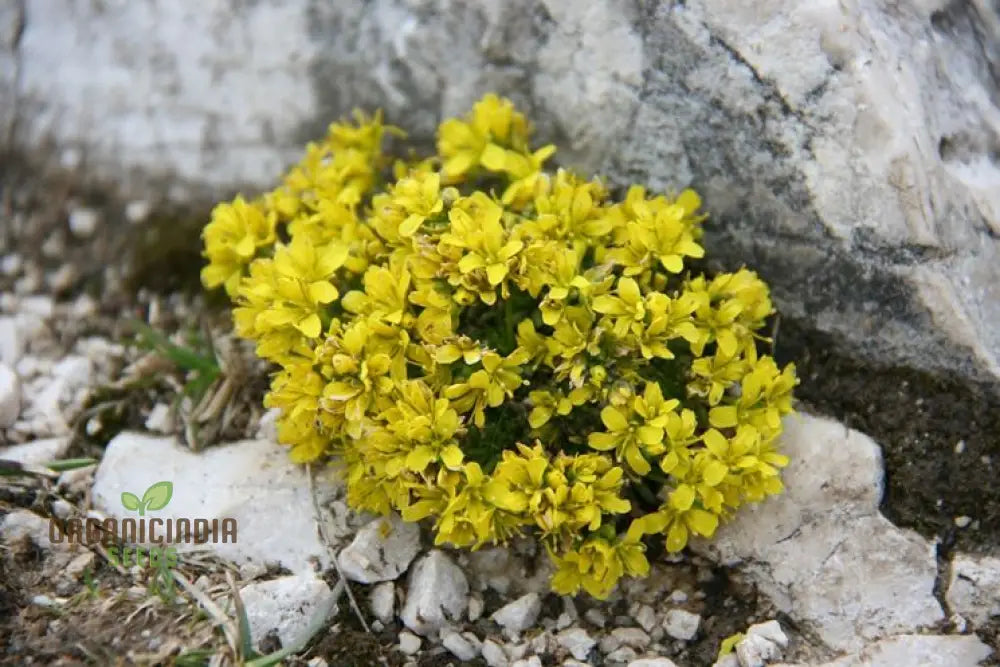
940 438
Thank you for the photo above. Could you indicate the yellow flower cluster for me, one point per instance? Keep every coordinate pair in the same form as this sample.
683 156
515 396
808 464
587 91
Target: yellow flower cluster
503 349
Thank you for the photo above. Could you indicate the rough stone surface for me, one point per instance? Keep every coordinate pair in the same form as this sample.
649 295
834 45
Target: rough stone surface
10 396
823 542
36 452
438 594
520 614
381 551
459 646
652 662
577 641
974 587
756 651
494 654
287 605
251 481
681 624
383 601
853 161
409 643
923 650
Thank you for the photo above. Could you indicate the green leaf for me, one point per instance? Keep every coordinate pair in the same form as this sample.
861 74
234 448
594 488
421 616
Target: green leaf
69 464
130 501
158 495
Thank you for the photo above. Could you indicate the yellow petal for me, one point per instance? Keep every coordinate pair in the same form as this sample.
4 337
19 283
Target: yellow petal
613 418
322 292
495 273
723 416
310 326
409 226
677 537
714 473
682 497
702 522
452 457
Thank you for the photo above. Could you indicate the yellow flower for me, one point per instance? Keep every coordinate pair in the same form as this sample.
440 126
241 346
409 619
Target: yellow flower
385 295
232 238
680 517
628 309
632 442
469 519
498 378
358 377
461 143
598 564
476 228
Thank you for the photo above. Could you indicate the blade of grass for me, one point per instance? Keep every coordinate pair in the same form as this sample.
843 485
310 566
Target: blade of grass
50 469
183 357
246 640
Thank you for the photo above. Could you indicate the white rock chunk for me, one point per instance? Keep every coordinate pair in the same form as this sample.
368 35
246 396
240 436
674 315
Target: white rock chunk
681 624
383 601
494 655
409 643
520 614
532 661
10 396
438 594
756 651
159 419
20 523
287 605
36 451
83 222
459 646
251 481
381 551
771 631
11 342
652 662
577 641
645 617
974 587
823 552
923 650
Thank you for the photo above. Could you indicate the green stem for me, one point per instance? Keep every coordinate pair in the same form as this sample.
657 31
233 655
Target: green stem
508 318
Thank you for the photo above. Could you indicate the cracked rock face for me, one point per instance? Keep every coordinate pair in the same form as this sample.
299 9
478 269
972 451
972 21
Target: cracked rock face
823 552
846 151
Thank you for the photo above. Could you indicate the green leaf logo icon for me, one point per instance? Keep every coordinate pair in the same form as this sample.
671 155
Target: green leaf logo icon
129 501
156 497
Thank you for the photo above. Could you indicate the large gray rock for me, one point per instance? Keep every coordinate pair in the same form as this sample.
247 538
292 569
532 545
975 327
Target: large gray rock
847 150
974 587
924 650
823 552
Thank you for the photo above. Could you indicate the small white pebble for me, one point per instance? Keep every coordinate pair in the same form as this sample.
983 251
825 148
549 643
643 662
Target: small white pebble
533 661
595 616
83 222
645 617
963 521
459 645
475 608
679 597
409 643
137 211
494 654
681 624
10 396
960 447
